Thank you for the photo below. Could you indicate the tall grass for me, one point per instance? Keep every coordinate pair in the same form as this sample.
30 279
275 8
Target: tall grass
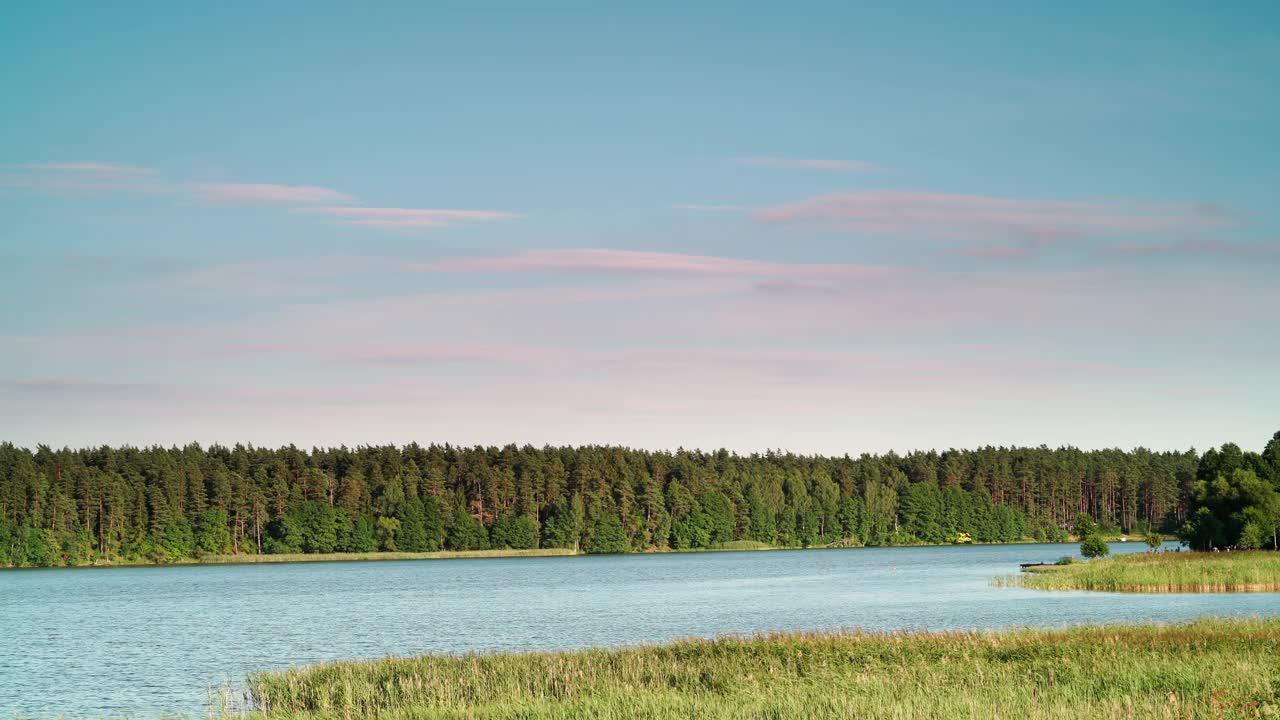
1209 668
1257 571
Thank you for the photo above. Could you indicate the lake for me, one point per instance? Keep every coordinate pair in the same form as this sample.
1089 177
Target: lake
151 640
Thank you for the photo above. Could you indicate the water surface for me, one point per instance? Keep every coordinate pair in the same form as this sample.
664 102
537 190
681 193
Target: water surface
150 640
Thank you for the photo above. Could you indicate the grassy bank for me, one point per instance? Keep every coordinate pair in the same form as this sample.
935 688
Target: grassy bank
1209 668
1161 572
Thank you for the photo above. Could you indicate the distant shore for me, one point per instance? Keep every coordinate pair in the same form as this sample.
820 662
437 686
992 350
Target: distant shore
269 558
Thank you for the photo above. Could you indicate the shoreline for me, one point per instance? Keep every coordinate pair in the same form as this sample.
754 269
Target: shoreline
381 556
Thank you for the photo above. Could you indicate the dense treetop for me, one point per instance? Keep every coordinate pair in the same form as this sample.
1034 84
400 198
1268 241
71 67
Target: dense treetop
163 504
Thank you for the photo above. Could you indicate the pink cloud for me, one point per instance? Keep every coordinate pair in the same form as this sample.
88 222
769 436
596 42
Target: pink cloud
408 217
1207 246
265 194
809 164
632 261
943 215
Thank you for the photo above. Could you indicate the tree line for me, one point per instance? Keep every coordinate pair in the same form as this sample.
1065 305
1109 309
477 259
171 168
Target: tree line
127 504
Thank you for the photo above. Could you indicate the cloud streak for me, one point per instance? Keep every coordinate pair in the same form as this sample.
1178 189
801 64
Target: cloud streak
117 178
595 261
342 207
265 194
393 218
949 216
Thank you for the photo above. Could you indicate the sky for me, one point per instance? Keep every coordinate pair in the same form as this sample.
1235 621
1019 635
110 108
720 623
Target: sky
823 227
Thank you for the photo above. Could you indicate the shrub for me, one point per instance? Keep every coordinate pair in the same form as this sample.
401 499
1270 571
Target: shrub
1094 547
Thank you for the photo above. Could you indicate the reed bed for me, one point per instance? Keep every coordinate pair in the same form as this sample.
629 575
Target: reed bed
1257 571
1205 669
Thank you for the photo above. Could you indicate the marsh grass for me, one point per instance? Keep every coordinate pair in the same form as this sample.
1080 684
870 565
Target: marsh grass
1208 668
1257 571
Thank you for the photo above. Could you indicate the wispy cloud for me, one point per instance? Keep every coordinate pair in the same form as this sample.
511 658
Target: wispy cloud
265 194
343 207
117 178
822 165
408 217
637 262
1203 246
80 177
943 215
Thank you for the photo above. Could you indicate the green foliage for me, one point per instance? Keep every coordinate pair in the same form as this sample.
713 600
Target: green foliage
1254 529
413 528
607 536
465 532
923 513
110 505
763 524
212 534
1238 509
387 529
564 525
880 511
517 533
177 541
433 526
317 525
284 536
1094 547
692 531
719 512
850 516
38 548
1084 526
1153 540
363 538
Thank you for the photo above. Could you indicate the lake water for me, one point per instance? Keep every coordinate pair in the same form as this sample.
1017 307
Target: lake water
152 640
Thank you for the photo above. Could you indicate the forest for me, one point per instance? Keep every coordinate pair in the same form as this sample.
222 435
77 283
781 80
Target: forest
118 505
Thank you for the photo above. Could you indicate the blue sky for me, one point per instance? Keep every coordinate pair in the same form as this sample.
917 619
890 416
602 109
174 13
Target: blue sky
826 227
